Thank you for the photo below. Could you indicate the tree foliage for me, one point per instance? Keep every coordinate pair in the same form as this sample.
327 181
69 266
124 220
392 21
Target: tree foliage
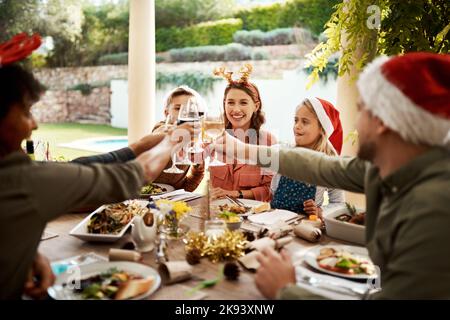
105 31
18 16
181 13
311 14
404 26
217 32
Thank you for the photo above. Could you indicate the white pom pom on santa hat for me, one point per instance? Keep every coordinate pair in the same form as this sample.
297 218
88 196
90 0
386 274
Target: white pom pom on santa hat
329 118
411 95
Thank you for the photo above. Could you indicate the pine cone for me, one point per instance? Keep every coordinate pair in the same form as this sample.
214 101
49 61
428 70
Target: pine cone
250 236
193 256
129 246
231 271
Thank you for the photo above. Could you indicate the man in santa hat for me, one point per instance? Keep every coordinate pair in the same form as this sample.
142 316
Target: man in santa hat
403 167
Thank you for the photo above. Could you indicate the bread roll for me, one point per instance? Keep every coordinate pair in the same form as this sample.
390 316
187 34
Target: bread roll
265 206
133 288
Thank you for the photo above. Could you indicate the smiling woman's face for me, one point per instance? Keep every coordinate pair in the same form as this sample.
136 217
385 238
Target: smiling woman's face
239 108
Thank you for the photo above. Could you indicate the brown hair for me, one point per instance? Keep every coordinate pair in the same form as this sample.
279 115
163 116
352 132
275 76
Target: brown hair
17 84
322 144
177 93
258 117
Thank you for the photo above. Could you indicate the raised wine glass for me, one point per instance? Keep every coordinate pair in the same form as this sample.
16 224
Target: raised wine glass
189 113
213 128
170 123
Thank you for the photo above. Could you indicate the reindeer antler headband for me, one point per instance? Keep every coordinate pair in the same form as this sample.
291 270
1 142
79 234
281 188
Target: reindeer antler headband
245 73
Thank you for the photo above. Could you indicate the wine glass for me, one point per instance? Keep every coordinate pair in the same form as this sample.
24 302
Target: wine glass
189 113
193 107
173 169
213 128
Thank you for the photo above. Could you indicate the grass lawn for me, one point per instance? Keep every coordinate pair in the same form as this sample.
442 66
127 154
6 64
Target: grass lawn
59 133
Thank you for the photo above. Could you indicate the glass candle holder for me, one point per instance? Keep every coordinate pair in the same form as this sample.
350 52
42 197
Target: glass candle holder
215 228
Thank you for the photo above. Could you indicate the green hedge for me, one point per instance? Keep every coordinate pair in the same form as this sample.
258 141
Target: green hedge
87 88
262 18
311 14
120 59
329 72
280 36
207 33
199 81
114 59
229 52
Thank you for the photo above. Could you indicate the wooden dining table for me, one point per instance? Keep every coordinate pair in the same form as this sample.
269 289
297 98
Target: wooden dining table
64 246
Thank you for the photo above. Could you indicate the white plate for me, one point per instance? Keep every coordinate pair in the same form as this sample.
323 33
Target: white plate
168 188
58 292
246 202
273 217
311 255
80 230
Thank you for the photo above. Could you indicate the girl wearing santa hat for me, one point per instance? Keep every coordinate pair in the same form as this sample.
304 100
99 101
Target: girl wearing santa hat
316 126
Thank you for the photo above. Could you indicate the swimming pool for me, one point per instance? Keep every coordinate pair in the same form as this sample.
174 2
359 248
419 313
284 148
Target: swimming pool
99 145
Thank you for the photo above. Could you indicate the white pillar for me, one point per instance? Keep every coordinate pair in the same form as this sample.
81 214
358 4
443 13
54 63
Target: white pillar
347 97
141 69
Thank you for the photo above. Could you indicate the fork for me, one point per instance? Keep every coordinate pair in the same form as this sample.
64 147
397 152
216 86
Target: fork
333 286
237 202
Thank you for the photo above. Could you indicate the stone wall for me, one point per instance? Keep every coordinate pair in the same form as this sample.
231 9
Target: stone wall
60 104
52 107
263 69
72 106
64 78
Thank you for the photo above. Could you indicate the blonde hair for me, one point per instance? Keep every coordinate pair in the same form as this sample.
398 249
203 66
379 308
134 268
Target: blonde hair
322 143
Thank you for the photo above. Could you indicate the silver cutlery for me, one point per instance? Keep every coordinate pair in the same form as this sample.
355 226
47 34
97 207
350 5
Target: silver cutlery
333 286
237 202
294 220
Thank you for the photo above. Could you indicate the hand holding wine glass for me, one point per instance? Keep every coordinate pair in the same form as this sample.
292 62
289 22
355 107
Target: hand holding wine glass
168 126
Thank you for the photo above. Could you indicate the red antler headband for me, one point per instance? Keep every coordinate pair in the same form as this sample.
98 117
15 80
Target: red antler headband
18 48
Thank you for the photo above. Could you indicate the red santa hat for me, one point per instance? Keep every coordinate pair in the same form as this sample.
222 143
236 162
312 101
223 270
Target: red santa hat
328 117
411 95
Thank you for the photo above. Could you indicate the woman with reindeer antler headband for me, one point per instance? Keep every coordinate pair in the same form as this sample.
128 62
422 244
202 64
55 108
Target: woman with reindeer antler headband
243 118
34 193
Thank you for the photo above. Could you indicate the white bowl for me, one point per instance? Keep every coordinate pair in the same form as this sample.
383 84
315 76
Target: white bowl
343 230
232 226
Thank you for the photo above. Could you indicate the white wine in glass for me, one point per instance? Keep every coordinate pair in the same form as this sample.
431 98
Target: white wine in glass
213 128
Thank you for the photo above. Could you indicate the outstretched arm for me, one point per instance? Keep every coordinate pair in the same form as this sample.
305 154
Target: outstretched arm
79 186
298 163
124 154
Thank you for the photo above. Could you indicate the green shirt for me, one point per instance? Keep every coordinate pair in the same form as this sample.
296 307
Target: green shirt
33 193
407 217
